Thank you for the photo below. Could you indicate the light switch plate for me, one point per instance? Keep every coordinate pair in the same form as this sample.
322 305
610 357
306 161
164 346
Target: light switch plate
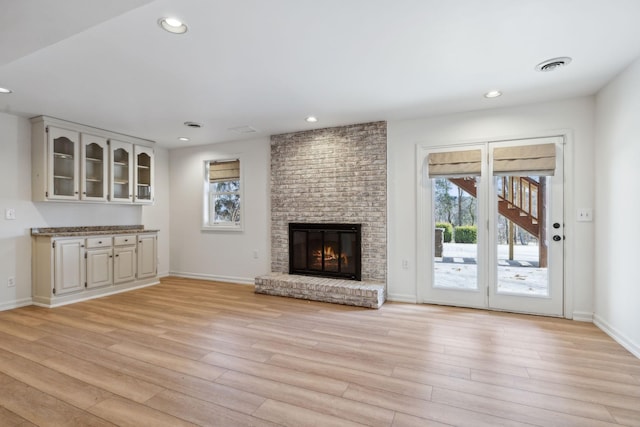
585 215
9 213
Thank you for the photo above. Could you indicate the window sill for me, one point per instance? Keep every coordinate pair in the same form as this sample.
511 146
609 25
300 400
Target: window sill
223 227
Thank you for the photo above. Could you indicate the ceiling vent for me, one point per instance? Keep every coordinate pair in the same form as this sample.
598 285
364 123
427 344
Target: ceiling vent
193 125
553 64
243 129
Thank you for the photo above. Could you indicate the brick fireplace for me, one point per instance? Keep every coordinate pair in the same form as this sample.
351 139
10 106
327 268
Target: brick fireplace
333 175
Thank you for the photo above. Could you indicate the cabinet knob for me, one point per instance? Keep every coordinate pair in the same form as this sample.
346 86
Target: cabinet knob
100 242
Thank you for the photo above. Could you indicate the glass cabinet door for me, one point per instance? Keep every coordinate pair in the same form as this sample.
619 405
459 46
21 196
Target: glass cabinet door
94 168
63 164
121 171
143 174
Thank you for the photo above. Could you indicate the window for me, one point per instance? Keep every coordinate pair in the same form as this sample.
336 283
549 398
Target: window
223 195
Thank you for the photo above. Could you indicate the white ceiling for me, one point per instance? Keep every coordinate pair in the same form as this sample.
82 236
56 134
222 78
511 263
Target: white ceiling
270 63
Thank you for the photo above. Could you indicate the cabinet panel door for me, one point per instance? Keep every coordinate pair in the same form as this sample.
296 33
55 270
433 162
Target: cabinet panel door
146 256
143 174
120 171
99 267
94 168
124 264
69 267
63 160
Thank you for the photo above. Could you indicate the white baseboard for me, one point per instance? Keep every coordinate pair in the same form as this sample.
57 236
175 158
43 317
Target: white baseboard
215 278
618 336
402 298
583 316
10 305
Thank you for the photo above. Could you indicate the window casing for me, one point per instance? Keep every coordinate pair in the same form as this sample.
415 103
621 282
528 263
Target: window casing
222 195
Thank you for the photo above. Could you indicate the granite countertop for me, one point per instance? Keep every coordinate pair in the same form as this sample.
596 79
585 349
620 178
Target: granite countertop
90 230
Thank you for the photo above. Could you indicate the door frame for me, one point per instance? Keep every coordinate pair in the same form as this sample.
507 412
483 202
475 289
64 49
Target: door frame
424 248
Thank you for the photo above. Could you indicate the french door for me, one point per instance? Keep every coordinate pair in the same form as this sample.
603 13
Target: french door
492 218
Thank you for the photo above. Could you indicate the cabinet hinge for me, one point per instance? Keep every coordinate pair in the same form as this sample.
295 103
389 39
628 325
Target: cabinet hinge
46 194
54 291
53 245
46 129
85 284
487 291
85 255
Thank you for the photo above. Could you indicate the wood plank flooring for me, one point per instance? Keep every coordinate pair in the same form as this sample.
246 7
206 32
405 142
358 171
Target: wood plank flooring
189 352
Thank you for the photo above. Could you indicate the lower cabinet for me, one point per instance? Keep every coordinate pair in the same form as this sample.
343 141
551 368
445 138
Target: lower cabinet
71 269
147 256
124 264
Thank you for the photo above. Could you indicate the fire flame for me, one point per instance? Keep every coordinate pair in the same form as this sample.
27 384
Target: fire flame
331 255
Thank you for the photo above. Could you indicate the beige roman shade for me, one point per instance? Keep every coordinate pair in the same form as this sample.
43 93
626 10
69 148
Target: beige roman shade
455 164
538 160
224 171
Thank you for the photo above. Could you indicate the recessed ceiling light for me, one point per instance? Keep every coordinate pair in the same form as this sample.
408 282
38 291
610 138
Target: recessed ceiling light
183 138
493 94
553 64
5 90
311 119
193 125
172 25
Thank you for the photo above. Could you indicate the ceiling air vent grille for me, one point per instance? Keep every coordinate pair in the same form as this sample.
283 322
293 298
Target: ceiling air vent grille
553 64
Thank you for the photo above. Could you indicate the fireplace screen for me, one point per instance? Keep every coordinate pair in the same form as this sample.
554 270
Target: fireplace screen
330 250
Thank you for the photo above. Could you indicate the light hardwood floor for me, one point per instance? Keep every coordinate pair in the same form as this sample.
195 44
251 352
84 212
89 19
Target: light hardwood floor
190 352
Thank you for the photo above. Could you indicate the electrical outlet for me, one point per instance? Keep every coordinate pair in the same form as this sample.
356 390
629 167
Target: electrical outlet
11 282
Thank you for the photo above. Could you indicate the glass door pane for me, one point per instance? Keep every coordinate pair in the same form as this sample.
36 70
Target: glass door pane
522 261
143 182
94 171
121 174
64 158
455 255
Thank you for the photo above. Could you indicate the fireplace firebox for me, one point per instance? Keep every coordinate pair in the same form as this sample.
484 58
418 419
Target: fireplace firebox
328 250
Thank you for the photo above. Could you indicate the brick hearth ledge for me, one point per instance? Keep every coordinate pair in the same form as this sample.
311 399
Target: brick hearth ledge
338 291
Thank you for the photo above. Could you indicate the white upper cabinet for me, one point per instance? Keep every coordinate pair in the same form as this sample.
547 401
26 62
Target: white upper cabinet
94 168
73 162
143 174
121 171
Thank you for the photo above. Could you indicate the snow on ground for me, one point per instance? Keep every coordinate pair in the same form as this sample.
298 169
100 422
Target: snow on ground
511 279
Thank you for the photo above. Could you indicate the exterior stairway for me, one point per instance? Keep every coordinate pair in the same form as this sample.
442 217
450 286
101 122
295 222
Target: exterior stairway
519 200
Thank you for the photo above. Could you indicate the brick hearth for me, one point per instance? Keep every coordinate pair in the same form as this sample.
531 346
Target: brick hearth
338 291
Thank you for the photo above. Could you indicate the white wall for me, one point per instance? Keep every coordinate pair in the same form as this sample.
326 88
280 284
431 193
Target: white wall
156 216
220 255
15 237
575 116
617 297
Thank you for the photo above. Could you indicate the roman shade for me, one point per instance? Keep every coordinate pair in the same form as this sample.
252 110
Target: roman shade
538 160
455 164
224 171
